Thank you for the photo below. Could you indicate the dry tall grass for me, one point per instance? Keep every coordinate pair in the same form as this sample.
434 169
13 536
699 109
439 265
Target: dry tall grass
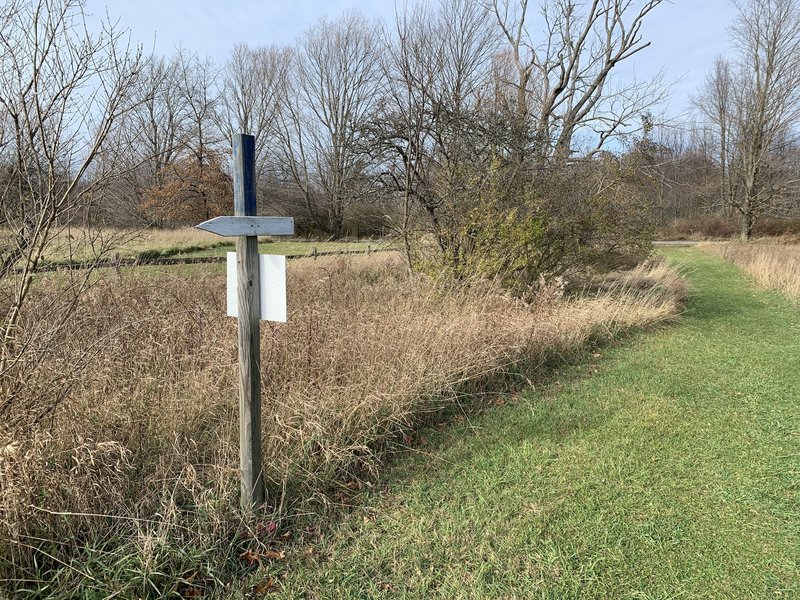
772 265
133 478
78 243
86 244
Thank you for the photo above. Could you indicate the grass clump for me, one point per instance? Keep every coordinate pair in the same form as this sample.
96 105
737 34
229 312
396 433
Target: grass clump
128 481
772 265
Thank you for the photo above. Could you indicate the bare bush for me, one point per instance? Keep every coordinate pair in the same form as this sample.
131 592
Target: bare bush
708 227
752 102
63 92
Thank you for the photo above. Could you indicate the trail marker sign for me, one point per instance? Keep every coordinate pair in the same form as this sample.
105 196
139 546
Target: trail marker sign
246 226
230 226
271 287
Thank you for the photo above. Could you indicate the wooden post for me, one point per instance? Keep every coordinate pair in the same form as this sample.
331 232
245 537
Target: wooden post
244 204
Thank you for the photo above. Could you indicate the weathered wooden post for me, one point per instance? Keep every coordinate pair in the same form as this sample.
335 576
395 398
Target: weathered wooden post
246 226
244 205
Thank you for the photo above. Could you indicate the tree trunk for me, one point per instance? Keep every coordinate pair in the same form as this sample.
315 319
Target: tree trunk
746 221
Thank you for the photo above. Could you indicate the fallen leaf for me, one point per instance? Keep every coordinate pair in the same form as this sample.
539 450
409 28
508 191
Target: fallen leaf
264 588
274 555
250 557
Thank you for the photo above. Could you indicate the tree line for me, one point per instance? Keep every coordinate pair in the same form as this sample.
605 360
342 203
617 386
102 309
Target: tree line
499 130
357 114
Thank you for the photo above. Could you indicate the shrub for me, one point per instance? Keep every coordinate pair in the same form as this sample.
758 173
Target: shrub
584 217
705 227
777 227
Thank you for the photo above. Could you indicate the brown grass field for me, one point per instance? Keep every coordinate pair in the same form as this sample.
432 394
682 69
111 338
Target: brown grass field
133 477
771 264
78 243
86 245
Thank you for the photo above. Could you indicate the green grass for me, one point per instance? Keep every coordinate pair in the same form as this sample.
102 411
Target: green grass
672 472
181 243
290 248
182 270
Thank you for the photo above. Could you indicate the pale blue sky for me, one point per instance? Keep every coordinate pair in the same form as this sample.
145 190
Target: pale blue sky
686 34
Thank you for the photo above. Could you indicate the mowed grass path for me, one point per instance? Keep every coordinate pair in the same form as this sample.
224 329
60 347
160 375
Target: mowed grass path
672 472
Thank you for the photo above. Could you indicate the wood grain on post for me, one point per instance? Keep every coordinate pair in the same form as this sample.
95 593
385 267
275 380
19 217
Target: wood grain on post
244 204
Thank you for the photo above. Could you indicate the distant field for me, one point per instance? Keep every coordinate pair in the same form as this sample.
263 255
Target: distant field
81 245
292 247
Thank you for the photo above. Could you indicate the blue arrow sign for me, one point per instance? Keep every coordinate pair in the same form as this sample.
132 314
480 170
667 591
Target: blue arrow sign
236 226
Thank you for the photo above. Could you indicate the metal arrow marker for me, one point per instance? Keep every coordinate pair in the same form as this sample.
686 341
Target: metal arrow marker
246 226
234 226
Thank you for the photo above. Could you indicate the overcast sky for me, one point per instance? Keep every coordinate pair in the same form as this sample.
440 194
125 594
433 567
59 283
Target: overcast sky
686 35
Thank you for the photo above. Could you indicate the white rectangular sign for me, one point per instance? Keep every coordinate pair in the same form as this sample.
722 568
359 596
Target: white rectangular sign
272 287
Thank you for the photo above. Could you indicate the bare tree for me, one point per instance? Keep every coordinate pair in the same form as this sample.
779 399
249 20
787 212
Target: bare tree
153 136
198 85
752 103
564 79
400 127
187 186
465 36
62 92
333 85
428 133
253 85
715 102
767 105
